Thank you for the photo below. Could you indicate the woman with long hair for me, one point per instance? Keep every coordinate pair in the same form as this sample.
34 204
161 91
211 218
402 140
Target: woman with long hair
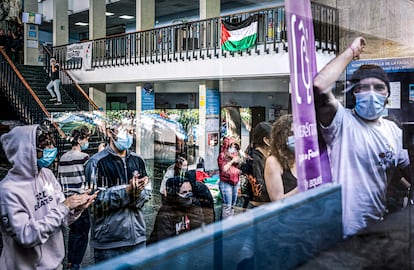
280 167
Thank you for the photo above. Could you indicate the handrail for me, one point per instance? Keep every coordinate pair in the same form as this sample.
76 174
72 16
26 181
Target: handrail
35 97
78 87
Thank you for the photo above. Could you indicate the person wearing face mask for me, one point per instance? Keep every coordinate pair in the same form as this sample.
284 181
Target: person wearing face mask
261 150
228 162
71 176
33 208
364 148
117 221
180 213
179 168
280 167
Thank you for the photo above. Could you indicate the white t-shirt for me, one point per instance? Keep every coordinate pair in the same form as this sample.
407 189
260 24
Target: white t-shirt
363 158
168 174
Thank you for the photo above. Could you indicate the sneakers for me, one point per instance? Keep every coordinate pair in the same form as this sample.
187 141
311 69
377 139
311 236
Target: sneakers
58 103
53 99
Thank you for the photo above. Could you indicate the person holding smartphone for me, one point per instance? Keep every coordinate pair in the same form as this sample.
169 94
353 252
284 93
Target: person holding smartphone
117 221
53 86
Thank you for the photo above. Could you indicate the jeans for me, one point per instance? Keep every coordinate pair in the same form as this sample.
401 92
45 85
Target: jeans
101 255
78 238
229 196
55 92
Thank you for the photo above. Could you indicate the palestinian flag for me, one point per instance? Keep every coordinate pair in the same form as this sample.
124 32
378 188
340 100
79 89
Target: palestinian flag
239 36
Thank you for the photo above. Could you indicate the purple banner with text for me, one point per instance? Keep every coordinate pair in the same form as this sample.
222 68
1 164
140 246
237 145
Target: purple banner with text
312 164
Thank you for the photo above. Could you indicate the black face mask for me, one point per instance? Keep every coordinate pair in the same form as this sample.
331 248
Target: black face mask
184 202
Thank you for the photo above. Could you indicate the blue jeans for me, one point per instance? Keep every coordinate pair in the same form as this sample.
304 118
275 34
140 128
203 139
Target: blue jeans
229 196
55 92
101 255
78 238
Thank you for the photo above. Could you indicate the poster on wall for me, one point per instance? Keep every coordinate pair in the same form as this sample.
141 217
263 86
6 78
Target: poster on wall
147 99
212 103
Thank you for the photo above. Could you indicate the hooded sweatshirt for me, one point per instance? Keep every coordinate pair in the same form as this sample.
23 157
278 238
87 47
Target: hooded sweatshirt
31 207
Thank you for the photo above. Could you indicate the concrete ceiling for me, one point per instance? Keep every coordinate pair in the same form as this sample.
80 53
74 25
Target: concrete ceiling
166 11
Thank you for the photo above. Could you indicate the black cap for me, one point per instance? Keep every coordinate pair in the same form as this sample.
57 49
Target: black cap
369 71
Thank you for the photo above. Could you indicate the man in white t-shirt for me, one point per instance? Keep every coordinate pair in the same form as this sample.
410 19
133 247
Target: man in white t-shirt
364 148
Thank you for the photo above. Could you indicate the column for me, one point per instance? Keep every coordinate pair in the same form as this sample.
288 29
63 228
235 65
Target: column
144 20
97 29
31 41
209 122
97 19
145 14
98 94
209 9
138 131
60 22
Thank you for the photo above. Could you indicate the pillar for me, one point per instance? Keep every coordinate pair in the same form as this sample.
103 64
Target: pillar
138 131
31 41
209 122
98 94
97 29
97 19
145 14
60 22
144 20
209 9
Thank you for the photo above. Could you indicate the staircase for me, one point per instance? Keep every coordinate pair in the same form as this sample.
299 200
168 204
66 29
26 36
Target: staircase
38 79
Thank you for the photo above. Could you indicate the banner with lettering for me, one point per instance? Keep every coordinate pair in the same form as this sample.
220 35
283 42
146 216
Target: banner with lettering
80 50
312 166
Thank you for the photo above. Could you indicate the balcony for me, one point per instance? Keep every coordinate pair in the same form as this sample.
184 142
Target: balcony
198 42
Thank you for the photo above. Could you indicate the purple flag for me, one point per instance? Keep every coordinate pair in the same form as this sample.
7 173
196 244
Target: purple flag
312 166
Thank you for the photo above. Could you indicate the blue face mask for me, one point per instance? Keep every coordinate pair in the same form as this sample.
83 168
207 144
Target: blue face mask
290 142
123 143
49 155
369 105
84 146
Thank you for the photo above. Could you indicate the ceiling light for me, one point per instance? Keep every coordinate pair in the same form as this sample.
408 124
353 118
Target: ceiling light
81 23
109 13
126 17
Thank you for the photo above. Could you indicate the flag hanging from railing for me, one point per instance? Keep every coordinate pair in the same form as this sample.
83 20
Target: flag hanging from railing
239 36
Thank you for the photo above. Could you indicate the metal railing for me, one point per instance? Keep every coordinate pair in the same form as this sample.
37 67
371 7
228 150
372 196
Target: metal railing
21 96
198 40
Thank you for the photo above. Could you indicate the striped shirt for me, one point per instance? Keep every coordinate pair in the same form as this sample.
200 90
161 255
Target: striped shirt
71 173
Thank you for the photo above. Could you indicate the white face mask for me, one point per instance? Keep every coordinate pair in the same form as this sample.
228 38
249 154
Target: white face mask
290 142
369 105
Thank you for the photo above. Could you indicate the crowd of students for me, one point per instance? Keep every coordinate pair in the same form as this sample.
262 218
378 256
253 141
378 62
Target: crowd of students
365 150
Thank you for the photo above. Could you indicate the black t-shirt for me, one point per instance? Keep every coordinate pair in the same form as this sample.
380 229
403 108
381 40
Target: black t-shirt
256 179
55 75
